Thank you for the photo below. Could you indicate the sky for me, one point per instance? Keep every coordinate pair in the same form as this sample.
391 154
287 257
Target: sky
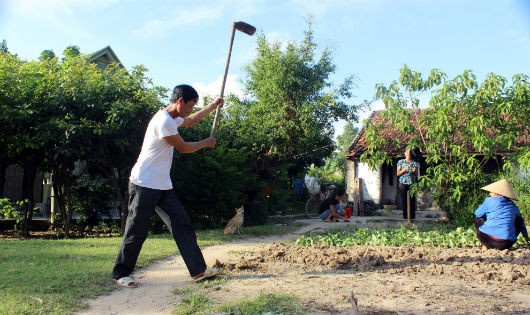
187 41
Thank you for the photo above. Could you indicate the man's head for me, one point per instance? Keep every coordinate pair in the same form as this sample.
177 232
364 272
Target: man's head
187 92
185 97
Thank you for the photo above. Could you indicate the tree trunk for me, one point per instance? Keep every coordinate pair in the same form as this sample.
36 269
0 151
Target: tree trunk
3 168
61 204
67 209
27 194
113 174
121 199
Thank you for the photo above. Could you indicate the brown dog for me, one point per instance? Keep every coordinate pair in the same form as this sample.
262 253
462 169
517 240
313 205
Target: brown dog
234 225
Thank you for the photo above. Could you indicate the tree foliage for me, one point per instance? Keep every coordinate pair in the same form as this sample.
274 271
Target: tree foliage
465 127
46 54
345 139
333 170
3 46
72 120
286 120
212 183
24 123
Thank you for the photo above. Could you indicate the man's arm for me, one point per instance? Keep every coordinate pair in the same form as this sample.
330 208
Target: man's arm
189 147
199 115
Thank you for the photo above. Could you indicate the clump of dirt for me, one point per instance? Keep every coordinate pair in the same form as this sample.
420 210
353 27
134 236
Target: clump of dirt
387 279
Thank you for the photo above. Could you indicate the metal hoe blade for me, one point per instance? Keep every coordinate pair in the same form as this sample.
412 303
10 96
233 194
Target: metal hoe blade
245 28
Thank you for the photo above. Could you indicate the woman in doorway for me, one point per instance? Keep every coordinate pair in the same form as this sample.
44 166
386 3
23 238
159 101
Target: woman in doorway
407 171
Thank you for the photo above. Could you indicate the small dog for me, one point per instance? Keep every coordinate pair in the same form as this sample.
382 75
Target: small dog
234 225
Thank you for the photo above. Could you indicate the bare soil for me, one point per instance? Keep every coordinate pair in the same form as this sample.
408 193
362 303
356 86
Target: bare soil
385 280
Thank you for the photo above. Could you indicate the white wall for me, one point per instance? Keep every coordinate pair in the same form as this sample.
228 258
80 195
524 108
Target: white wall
350 179
371 183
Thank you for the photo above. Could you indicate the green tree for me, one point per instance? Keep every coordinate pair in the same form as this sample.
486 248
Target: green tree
121 104
286 121
9 69
465 126
333 169
99 115
71 119
71 51
212 183
345 139
25 126
3 46
46 54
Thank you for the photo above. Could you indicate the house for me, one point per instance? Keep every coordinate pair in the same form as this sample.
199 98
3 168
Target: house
373 188
14 174
104 57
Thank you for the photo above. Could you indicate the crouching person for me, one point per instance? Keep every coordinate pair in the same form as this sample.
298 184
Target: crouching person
498 220
330 208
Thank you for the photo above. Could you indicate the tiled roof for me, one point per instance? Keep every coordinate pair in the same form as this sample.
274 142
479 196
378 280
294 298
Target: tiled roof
396 140
393 148
104 57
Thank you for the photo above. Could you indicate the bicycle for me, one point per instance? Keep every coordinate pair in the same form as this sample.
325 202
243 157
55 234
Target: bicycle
317 194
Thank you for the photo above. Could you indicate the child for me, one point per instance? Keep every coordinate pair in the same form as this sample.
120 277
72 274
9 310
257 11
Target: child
330 208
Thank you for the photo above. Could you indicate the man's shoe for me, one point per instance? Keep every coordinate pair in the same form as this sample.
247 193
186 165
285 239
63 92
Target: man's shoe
208 273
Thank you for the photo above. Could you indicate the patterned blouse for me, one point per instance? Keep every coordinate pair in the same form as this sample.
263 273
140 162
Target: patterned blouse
409 177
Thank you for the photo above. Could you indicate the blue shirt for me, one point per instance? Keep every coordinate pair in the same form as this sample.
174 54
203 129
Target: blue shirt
409 177
500 215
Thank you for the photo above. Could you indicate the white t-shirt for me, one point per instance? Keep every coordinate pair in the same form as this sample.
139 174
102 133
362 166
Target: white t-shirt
154 163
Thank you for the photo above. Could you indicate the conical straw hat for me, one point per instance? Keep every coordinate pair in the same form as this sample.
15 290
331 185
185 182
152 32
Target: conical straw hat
501 187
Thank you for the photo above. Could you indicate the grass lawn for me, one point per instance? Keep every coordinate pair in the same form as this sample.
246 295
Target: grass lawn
55 276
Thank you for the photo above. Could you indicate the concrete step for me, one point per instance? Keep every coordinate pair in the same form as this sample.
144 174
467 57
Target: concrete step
358 222
381 218
420 214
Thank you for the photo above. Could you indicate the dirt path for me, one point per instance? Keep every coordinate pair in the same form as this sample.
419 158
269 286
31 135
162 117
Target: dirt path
158 281
385 280
155 296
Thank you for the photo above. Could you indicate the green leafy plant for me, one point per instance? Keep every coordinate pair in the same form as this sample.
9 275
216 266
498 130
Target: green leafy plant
521 185
8 209
12 210
402 236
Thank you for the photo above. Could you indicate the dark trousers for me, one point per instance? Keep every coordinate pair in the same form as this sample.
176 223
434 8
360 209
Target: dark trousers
487 240
403 189
142 204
